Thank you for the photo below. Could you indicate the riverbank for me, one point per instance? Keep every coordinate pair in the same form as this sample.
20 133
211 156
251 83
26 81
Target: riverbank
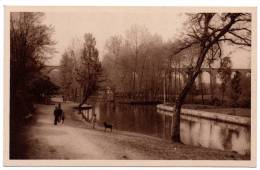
75 139
207 113
244 112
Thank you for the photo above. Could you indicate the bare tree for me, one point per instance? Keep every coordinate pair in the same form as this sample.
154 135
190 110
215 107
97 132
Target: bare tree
135 37
124 67
209 30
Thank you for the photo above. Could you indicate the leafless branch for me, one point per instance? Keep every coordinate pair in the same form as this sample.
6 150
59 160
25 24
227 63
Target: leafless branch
234 42
246 41
185 47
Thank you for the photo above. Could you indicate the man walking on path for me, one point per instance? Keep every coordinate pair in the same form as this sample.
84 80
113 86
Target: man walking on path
59 115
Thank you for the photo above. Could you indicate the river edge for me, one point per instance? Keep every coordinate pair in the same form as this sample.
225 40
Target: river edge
169 110
102 145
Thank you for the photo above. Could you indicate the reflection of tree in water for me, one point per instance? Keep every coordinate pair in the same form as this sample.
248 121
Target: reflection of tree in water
241 140
226 139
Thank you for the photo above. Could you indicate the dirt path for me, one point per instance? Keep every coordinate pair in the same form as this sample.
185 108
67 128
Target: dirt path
75 139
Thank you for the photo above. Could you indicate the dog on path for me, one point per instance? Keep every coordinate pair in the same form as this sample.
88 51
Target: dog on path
108 126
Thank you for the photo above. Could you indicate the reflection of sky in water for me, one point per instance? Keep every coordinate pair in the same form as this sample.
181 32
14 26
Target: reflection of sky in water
194 131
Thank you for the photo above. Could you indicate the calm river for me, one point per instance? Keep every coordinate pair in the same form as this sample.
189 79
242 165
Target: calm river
194 131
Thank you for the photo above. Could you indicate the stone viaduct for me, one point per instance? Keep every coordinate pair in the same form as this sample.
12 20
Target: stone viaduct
182 73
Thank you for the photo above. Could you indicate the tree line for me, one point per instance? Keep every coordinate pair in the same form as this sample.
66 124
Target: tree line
30 46
135 63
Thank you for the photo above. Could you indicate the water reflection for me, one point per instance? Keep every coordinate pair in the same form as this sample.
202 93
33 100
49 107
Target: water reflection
194 131
214 134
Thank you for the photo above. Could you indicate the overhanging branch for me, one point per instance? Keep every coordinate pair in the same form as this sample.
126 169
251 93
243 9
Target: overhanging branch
234 42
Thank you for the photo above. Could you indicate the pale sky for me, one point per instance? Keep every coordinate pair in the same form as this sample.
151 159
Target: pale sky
104 22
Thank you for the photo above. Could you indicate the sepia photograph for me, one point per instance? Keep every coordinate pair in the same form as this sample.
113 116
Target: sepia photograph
130 86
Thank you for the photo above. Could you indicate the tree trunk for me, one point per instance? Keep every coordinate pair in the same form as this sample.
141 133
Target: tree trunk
181 97
178 104
176 122
86 95
179 77
83 101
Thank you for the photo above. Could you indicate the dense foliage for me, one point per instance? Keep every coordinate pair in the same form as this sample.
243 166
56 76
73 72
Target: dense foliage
30 46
